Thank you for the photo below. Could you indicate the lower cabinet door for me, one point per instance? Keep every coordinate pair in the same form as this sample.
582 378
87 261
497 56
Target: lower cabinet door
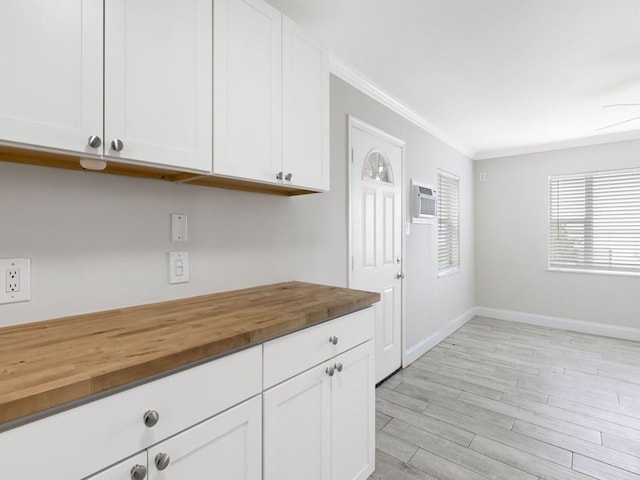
353 414
297 427
134 468
227 446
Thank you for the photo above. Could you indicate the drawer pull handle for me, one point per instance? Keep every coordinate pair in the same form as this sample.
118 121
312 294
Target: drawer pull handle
333 339
339 367
330 371
150 418
162 461
139 472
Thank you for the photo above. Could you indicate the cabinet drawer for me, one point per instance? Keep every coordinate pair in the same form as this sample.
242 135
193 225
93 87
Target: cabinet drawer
77 442
289 355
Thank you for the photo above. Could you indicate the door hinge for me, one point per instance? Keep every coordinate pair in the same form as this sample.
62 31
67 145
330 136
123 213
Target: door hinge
352 155
351 262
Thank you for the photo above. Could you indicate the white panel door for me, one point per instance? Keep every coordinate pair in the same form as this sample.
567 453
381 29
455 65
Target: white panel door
247 90
226 446
297 427
125 469
353 414
51 82
158 81
305 109
376 235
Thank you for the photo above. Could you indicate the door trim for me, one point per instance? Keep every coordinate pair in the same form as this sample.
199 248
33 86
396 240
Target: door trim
353 122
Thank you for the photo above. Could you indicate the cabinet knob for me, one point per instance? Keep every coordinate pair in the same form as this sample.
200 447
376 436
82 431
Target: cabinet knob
279 176
333 339
138 472
117 145
288 177
162 461
339 367
150 418
399 275
330 371
94 141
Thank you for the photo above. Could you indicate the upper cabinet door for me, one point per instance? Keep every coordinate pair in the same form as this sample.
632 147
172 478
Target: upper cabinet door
158 82
51 82
247 90
305 117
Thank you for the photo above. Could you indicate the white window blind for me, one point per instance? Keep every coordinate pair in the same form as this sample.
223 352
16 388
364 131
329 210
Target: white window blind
448 222
595 221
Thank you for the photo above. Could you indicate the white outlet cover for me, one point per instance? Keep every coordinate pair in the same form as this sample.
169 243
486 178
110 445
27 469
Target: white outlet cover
23 294
178 267
178 227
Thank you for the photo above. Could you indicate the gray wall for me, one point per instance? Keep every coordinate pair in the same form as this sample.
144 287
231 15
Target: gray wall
100 241
512 239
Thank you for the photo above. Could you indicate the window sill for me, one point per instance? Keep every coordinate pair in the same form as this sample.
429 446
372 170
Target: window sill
448 271
599 272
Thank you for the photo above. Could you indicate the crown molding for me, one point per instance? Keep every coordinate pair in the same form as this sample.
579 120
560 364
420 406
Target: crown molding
560 145
360 81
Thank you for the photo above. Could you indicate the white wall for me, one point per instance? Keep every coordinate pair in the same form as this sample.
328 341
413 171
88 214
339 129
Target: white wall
99 241
512 239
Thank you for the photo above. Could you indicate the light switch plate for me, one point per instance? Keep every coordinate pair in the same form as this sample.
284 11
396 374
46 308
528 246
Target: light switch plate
15 280
178 267
178 227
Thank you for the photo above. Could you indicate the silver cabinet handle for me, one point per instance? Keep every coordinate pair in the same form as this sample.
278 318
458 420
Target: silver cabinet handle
333 339
330 371
94 141
399 275
150 418
162 461
139 472
279 176
288 177
339 367
117 145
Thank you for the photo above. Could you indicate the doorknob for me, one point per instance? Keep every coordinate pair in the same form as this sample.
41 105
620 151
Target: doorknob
399 275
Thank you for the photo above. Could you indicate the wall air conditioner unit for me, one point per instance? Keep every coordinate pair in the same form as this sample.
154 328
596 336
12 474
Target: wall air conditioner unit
424 202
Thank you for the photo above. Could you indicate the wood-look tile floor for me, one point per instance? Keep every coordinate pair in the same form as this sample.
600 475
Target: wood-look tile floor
509 401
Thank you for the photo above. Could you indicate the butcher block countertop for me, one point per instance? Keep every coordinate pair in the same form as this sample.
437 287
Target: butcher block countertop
47 364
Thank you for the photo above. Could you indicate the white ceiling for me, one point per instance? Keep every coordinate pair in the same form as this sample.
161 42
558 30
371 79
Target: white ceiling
498 77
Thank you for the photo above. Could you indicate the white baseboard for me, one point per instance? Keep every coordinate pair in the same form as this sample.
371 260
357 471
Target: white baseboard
615 331
416 351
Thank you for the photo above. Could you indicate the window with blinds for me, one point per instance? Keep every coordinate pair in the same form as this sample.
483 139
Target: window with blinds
448 222
595 221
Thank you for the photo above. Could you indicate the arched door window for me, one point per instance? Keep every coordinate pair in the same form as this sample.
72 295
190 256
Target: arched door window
377 168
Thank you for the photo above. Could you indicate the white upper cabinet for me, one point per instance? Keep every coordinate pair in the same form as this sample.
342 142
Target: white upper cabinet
305 109
152 98
271 98
158 82
51 82
247 93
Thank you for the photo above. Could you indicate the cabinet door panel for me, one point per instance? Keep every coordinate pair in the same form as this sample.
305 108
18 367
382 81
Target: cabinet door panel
158 81
297 428
353 415
51 86
247 90
305 115
226 446
122 470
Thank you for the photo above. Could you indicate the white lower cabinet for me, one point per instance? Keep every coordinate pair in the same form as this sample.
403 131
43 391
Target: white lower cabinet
321 422
226 446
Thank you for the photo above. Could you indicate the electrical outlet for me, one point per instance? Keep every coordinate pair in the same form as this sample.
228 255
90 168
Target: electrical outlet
15 273
13 280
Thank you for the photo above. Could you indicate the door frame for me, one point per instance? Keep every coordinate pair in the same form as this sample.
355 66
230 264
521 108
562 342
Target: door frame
354 122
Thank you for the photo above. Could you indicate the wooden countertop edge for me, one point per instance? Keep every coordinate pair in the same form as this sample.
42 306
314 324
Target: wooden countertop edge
21 410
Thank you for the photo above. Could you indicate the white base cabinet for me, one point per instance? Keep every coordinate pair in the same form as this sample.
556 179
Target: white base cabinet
227 446
299 406
321 421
